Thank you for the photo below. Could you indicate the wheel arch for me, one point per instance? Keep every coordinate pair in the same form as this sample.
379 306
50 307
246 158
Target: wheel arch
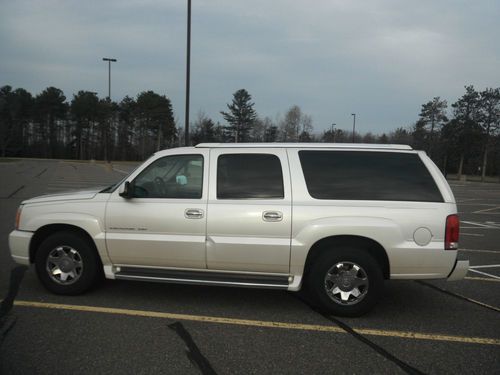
364 243
47 230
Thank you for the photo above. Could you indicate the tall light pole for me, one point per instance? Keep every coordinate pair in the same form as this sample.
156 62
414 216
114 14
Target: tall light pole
353 126
109 60
332 130
188 68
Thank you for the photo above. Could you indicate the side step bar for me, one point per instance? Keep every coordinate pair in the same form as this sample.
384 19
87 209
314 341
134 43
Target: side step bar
203 278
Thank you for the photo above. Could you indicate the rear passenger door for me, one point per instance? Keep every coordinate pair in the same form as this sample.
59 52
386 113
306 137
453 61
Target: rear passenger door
249 211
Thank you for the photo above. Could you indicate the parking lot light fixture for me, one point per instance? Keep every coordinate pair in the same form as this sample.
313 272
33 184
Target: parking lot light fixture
353 126
109 60
188 73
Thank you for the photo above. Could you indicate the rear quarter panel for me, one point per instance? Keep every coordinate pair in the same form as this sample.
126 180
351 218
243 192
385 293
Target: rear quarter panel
390 223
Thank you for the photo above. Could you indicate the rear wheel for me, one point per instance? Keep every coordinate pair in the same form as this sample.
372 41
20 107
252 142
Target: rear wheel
67 264
346 281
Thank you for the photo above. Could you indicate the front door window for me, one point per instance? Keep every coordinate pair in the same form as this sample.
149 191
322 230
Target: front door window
177 176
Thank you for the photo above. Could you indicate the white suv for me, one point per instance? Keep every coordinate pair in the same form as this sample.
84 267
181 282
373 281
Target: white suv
337 218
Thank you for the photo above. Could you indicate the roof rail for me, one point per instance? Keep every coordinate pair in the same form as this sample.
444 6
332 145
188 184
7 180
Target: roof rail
367 146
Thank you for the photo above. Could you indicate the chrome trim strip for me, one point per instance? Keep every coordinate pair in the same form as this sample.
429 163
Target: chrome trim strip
205 270
199 282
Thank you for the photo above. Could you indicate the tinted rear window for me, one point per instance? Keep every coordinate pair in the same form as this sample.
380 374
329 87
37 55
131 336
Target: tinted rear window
354 175
249 176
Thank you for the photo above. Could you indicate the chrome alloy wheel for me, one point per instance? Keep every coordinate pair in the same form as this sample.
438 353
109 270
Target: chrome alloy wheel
64 265
346 283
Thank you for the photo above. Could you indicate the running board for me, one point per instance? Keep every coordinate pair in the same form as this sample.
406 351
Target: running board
203 278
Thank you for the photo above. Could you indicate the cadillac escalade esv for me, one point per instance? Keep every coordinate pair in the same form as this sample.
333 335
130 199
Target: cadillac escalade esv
335 218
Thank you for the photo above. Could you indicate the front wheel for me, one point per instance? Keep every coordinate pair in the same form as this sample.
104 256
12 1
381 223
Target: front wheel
67 264
346 281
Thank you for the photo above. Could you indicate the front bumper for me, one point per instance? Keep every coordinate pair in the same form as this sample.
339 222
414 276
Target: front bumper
459 271
19 244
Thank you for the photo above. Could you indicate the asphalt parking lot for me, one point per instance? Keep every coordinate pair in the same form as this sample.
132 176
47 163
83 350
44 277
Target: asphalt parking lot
130 327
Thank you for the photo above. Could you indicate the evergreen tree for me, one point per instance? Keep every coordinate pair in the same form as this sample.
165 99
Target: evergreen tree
489 109
241 115
50 109
156 122
466 111
16 110
433 115
84 111
126 128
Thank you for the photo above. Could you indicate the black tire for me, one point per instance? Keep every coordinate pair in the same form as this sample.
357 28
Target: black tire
342 259
86 274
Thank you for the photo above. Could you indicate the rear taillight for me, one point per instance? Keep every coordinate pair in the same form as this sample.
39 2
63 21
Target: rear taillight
18 217
451 232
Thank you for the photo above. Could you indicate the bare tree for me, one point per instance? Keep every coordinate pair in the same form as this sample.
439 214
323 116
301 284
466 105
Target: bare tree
296 126
290 125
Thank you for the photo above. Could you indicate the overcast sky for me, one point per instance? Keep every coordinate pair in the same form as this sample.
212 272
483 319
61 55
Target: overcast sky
380 59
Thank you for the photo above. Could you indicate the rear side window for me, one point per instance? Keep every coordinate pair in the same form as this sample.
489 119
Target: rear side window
355 175
249 176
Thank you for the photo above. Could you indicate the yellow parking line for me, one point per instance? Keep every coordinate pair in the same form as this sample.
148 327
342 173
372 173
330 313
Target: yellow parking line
260 323
482 279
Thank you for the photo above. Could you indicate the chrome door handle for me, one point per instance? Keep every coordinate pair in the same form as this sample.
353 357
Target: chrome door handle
272 216
193 213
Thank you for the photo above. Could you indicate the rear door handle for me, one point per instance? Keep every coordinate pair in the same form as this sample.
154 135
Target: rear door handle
193 213
272 216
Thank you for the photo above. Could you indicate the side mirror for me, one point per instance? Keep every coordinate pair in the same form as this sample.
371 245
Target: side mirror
125 190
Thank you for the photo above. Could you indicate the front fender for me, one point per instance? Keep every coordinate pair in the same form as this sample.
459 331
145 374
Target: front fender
88 223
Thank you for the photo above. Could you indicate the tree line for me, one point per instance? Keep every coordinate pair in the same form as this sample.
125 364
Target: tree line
465 139
86 127
468 141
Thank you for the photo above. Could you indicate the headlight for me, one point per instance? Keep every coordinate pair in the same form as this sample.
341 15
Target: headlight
18 216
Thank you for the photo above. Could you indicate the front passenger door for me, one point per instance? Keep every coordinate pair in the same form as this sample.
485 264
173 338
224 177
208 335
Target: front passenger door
164 223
